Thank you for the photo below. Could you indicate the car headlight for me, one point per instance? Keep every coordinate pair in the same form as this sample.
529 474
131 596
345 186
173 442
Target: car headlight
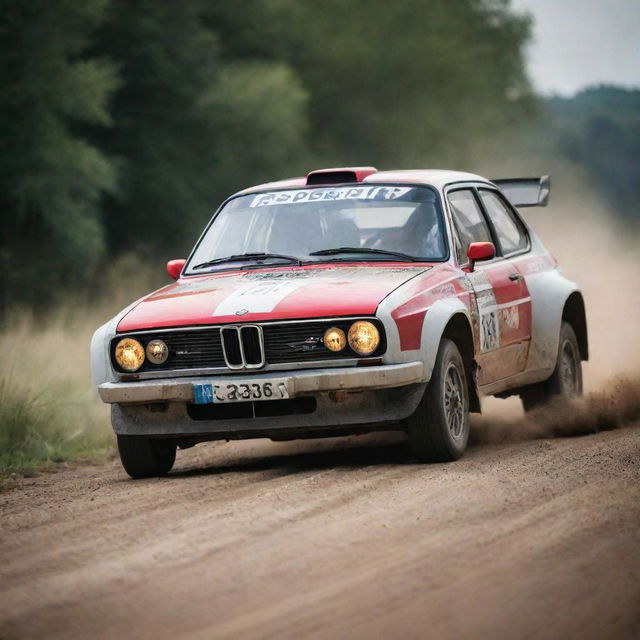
129 354
334 339
157 351
364 337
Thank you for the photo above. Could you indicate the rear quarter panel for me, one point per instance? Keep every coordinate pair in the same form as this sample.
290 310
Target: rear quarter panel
549 291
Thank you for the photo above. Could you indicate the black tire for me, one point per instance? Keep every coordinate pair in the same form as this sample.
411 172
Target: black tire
439 428
146 457
566 379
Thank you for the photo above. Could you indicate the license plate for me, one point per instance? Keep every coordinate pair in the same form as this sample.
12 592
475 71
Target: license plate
216 392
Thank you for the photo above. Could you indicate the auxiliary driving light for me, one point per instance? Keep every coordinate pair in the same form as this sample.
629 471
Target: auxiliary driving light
129 354
334 339
364 337
157 351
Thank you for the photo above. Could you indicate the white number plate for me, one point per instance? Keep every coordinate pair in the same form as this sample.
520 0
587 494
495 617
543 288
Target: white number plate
215 392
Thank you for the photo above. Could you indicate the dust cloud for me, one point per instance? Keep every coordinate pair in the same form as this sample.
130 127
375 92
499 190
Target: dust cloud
603 257
616 405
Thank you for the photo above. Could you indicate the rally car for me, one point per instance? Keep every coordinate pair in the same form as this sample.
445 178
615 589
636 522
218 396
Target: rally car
343 302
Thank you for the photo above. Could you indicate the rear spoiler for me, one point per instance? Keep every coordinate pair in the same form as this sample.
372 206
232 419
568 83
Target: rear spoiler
526 192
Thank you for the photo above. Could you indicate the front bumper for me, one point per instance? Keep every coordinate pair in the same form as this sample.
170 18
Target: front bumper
298 383
375 397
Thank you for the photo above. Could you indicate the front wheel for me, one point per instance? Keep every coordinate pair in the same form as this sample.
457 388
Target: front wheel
146 457
439 428
566 379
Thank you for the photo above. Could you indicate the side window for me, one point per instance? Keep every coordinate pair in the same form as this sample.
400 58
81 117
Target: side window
510 234
468 221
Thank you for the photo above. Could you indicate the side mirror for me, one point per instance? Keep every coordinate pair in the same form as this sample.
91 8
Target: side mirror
478 251
174 268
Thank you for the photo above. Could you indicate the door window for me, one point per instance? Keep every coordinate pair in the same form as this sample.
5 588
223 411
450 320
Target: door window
468 221
510 234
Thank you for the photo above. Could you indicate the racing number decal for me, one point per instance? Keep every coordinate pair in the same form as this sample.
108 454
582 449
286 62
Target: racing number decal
489 327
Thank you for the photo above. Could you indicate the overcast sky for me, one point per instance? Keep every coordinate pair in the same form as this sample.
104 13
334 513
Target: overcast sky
583 42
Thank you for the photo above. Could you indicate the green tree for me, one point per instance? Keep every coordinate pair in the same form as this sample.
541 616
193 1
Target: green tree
51 178
189 126
393 83
599 129
125 122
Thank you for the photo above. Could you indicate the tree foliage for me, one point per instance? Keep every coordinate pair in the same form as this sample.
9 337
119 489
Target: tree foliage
124 122
189 127
599 129
392 83
51 177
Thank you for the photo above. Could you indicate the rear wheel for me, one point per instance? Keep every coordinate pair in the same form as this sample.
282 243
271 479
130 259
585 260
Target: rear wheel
566 379
439 428
146 457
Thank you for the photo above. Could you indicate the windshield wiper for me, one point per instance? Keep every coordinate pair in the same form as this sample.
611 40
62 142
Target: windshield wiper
397 254
248 256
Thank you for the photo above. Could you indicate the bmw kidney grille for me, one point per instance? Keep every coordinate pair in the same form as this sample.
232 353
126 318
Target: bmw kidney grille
243 346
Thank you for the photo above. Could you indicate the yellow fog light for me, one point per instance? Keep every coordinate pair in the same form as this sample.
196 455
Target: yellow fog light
157 352
334 339
129 354
364 337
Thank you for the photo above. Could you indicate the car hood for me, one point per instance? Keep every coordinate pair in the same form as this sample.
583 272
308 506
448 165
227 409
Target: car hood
317 291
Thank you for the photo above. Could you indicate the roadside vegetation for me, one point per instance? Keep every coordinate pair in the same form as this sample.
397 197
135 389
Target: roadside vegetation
48 412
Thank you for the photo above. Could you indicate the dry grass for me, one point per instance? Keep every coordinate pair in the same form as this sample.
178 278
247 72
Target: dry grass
48 411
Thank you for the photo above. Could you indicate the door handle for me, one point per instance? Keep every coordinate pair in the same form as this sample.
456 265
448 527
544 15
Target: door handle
514 277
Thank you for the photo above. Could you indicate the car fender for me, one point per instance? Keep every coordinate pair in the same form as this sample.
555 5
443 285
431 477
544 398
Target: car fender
101 370
436 319
549 292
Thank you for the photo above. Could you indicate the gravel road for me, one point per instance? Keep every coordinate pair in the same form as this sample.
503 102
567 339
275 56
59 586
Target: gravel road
332 539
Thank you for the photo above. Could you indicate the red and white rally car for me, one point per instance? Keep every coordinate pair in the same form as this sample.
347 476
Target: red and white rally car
346 301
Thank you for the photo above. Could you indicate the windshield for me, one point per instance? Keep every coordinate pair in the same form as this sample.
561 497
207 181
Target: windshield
335 224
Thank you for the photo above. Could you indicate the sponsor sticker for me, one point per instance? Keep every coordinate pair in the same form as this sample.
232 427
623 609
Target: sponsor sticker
446 289
510 316
300 196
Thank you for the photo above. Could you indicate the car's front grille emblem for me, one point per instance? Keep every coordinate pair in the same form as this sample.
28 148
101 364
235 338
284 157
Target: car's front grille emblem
243 346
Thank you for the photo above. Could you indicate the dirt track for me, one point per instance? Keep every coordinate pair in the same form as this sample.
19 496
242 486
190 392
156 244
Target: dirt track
331 539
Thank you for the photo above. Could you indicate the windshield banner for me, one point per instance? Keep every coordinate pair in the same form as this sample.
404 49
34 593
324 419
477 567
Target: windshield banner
318 195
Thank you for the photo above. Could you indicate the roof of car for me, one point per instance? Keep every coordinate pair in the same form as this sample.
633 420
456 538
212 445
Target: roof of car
435 177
